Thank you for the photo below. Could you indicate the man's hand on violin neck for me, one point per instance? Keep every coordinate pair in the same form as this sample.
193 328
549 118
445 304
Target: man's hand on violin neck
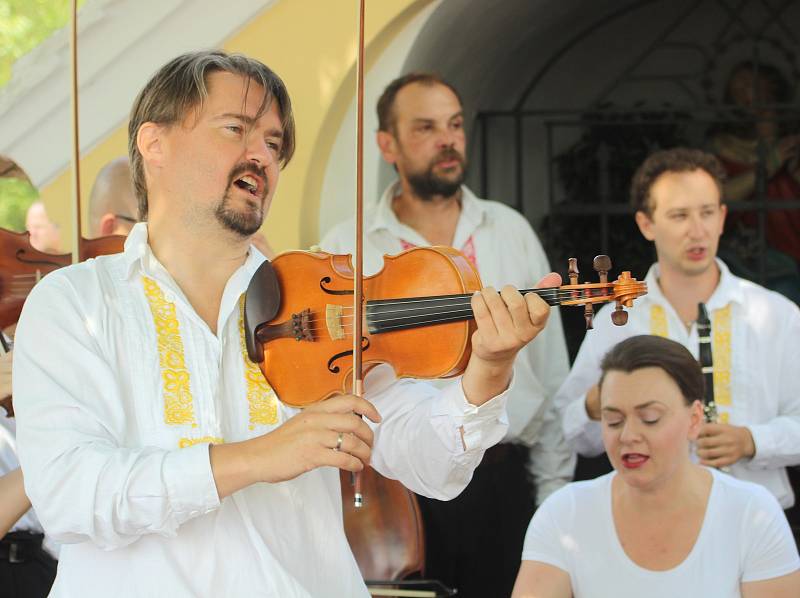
309 440
506 321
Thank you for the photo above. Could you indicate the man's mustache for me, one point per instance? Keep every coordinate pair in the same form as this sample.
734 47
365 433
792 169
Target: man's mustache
449 154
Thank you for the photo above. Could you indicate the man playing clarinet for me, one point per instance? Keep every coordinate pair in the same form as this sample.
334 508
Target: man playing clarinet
754 333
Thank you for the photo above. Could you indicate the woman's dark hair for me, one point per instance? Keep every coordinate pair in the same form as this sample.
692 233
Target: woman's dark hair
647 351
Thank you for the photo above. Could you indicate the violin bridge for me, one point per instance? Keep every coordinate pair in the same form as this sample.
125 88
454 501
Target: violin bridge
333 321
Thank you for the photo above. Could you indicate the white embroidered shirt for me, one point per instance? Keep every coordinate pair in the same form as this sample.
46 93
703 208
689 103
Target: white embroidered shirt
114 372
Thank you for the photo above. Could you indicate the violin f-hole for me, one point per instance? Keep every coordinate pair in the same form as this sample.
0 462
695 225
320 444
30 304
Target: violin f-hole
327 280
334 369
34 262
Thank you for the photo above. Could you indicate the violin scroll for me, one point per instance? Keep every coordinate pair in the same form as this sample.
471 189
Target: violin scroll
624 290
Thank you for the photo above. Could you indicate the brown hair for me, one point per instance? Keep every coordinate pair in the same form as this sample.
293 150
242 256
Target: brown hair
386 116
679 159
180 85
646 351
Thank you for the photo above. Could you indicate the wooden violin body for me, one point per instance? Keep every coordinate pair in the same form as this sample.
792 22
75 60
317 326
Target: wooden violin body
417 316
305 347
22 266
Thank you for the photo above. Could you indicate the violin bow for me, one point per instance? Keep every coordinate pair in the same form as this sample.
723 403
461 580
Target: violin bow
76 172
358 280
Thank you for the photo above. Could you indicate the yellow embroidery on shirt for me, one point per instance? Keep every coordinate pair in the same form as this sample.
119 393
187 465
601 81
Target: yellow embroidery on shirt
658 321
262 399
721 331
178 402
187 442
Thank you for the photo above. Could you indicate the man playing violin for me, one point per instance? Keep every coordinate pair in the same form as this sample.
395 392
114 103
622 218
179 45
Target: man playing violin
421 134
755 332
152 448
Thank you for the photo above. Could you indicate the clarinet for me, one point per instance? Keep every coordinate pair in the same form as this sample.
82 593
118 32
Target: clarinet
707 365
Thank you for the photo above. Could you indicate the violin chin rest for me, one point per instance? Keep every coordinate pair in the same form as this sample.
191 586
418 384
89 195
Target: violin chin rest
262 301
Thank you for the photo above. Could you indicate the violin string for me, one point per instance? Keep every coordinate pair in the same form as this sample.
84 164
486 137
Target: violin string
566 296
454 316
458 303
544 293
462 312
459 307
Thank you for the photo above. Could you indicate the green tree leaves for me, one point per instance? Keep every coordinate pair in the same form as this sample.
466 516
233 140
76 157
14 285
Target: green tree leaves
23 26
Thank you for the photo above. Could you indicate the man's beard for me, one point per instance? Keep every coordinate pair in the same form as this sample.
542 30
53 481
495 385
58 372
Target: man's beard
243 222
426 185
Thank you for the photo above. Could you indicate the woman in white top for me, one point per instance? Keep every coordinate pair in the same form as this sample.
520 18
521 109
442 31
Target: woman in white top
659 525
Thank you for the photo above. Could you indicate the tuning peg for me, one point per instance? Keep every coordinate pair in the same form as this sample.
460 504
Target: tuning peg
588 315
619 316
573 271
602 264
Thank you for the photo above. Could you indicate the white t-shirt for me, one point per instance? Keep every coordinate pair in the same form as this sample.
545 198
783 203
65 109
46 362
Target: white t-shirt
744 537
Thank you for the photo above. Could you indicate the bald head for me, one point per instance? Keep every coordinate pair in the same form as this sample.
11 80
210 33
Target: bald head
112 203
44 234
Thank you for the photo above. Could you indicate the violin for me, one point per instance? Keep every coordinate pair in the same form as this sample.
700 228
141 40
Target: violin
417 316
22 266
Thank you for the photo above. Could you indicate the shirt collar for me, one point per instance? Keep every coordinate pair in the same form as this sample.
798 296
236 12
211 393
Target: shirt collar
473 214
728 289
139 259
135 248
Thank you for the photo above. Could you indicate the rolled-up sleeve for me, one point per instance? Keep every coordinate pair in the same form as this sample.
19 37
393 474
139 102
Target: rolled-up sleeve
431 439
84 482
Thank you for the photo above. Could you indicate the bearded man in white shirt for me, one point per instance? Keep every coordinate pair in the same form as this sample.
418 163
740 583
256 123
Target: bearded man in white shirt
151 447
421 133
755 333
